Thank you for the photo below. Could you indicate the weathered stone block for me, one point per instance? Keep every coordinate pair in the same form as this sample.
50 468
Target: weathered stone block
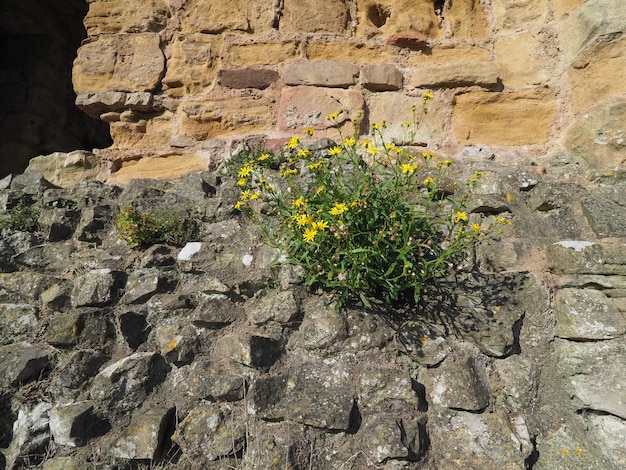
206 119
210 431
69 423
248 78
381 77
587 314
217 311
504 118
452 74
596 372
303 107
384 437
388 17
121 16
511 15
522 60
249 349
119 62
584 257
312 16
322 327
16 321
274 306
605 210
263 53
144 283
192 63
325 73
215 16
142 440
467 20
21 362
94 288
598 72
358 52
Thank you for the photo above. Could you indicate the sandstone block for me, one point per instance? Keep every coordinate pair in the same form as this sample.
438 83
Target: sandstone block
597 136
562 7
248 78
599 72
203 120
388 17
313 16
121 16
511 15
381 77
358 52
504 118
192 63
303 107
455 75
326 73
264 53
214 16
413 42
522 61
119 62
467 20
439 54
588 22
159 168
135 132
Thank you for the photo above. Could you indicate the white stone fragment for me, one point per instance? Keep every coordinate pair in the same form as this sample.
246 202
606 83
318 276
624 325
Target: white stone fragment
189 250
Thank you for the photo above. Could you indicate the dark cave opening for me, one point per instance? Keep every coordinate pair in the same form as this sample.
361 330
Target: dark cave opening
38 44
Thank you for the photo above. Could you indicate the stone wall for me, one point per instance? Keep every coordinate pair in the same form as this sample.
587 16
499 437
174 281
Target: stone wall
526 78
206 357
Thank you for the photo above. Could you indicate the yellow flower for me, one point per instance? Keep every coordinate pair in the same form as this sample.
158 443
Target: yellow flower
309 131
319 190
373 150
408 169
242 182
391 148
264 156
476 227
244 171
366 144
349 142
333 116
288 172
320 225
428 181
428 96
460 216
245 194
334 151
254 196
427 155
299 202
315 166
338 209
302 153
239 205
293 142
302 220
309 234
376 127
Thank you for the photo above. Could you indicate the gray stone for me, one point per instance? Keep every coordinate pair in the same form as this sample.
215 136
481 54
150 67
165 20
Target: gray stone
124 384
211 431
609 434
381 77
133 327
143 438
78 367
605 210
586 257
249 349
58 224
385 437
95 104
524 180
381 383
66 169
94 288
69 423
53 257
17 321
584 314
322 328
94 223
550 195
460 382
22 362
144 283
64 463
90 329
31 434
596 372
479 441
277 306
217 310
314 393
325 73
178 344
503 255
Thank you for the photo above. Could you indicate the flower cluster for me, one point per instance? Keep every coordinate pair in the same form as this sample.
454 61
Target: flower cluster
365 218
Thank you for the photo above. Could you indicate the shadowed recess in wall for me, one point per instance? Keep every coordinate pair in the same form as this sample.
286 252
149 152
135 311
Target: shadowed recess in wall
38 44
